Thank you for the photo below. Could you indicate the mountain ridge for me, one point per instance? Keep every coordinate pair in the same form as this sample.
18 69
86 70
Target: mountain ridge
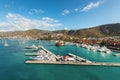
97 31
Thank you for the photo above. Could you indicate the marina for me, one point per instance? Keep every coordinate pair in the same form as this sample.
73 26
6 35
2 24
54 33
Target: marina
40 65
46 57
59 39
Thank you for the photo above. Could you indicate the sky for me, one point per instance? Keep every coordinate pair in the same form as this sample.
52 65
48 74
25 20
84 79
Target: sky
21 15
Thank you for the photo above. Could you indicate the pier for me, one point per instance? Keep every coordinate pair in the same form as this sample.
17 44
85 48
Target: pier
49 52
74 63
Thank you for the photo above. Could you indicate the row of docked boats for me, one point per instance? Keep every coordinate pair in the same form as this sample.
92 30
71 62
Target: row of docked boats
43 55
40 54
89 47
95 48
33 48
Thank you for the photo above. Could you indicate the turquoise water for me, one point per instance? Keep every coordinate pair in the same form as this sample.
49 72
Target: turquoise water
12 66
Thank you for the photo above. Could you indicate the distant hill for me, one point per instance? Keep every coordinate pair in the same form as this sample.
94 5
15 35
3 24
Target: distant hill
98 31
110 29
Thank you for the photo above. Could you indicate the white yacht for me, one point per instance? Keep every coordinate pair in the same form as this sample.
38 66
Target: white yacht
6 44
104 49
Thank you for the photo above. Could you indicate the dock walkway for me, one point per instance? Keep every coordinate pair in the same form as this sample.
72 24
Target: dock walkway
49 52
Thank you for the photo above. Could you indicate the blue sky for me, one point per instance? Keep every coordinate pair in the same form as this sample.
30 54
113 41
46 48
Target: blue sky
57 14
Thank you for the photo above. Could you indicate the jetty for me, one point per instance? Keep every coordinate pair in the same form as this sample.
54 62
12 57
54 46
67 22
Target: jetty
49 52
75 63
79 58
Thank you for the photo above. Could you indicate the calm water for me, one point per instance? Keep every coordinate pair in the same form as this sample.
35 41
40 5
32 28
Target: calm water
12 66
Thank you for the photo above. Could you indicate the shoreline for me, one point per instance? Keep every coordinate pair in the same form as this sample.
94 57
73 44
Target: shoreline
66 42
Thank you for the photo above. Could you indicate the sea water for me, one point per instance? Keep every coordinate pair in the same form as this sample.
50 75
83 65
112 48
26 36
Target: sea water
13 67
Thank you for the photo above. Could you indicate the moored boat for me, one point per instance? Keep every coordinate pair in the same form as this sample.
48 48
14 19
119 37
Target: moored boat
104 49
32 47
118 54
59 43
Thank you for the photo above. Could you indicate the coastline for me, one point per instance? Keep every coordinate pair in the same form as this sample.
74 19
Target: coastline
66 42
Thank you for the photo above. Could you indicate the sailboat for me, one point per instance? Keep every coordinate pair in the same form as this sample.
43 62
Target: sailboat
6 44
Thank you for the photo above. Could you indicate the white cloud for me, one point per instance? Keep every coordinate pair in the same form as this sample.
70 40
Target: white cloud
48 19
18 22
91 6
35 11
65 12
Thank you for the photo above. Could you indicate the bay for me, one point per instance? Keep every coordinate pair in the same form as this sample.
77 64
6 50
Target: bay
13 67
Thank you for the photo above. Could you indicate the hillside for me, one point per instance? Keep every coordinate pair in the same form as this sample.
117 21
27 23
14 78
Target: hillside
110 29
98 31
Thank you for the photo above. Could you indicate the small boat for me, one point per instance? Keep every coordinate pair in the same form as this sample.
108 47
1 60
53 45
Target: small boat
32 47
59 43
89 47
78 45
84 45
118 54
104 49
95 48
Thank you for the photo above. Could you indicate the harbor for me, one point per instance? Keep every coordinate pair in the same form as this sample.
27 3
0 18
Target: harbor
44 56
59 39
37 67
